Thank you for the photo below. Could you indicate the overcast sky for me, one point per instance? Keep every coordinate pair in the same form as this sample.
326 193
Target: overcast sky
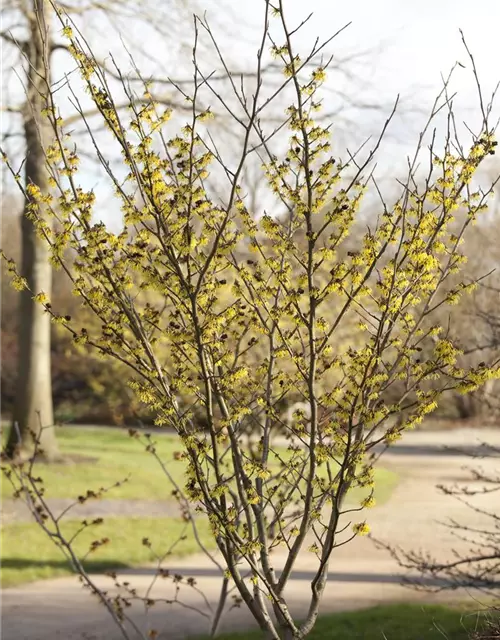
411 45
420 39
413 42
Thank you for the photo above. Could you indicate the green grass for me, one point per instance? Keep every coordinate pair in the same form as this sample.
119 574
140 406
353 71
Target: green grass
109 456
391 622
28 554
115 456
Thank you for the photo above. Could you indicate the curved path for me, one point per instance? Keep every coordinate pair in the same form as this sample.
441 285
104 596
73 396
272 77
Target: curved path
361 575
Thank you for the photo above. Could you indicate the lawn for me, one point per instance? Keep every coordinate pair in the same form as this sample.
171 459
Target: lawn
111 455
389 622
28 554
102 457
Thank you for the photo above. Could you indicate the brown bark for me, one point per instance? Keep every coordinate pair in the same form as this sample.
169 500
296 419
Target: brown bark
33 410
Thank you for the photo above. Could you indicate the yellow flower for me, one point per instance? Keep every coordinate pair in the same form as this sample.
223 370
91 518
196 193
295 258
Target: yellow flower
41 298
361 529
368 502
319 75
19 283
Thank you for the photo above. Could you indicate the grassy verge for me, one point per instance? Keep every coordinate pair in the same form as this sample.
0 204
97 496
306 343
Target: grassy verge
391 622
28 554
111 455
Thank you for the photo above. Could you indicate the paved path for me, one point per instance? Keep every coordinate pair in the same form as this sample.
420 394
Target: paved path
361 575
18 511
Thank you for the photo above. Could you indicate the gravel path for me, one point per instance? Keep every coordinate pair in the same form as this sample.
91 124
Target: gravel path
17 510
361 575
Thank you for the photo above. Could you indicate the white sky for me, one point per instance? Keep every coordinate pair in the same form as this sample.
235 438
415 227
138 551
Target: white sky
421 37
413 43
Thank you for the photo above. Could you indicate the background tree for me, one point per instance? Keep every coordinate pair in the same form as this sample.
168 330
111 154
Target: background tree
85 388
33 404
30 32
475 317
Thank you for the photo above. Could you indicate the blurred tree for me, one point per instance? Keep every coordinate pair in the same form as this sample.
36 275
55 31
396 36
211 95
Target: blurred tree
33 404
476 318
30 31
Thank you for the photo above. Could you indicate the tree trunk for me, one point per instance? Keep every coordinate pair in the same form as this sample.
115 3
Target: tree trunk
33 411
